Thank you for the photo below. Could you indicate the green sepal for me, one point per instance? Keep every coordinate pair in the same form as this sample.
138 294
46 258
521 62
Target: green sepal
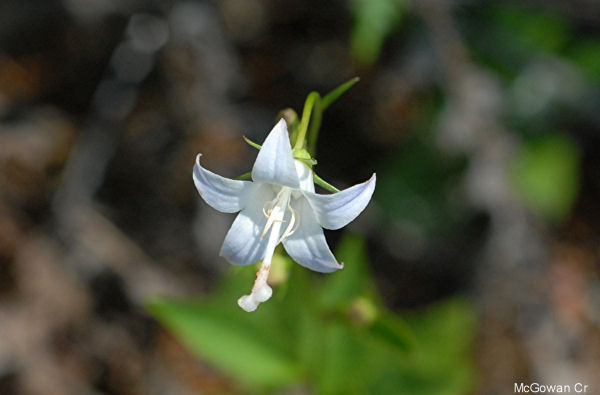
324 184
332 96
251 143
309 162
301 153
303 156
245 176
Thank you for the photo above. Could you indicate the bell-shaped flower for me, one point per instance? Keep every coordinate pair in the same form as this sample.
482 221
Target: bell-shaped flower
279 206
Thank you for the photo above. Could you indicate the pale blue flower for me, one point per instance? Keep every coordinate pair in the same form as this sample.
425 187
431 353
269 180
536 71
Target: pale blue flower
279 205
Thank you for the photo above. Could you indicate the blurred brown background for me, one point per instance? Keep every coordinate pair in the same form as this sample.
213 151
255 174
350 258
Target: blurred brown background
104 105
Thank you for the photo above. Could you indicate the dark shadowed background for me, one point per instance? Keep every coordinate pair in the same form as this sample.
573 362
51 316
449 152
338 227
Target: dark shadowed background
480 118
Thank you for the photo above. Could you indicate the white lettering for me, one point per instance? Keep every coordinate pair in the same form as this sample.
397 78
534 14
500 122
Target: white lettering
548 388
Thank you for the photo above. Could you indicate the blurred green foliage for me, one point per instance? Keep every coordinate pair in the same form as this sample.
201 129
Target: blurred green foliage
415 185
374 20
506 38
585 54
546 169
531 31
330 334
546 174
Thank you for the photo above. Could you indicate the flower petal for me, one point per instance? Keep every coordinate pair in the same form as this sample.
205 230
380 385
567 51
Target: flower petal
223 194
275 161
305 176
307 245
242 245
338 209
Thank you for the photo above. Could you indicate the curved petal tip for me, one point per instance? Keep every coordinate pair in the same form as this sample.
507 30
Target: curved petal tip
338 209
221 193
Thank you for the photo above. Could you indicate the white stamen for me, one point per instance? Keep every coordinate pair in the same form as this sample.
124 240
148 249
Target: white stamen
270 222
277 209
270 205
297 215
293 225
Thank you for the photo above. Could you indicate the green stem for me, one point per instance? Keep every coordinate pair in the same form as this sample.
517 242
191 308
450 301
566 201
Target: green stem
308 106
321 182
315 126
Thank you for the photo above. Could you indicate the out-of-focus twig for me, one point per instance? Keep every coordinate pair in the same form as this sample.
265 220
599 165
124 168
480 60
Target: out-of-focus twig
93 240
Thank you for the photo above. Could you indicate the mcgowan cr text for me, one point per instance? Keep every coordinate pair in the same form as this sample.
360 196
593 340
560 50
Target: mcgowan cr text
537 388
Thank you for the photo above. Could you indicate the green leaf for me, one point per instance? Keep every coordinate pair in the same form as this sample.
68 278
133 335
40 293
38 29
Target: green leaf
341 370
353 286
546 175
445 335
304 335
230 340
354 280
288 340
393 330
441 361
444 331
297 308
